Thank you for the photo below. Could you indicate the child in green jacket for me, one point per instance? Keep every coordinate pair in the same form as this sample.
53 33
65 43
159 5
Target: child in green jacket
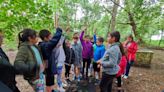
29 60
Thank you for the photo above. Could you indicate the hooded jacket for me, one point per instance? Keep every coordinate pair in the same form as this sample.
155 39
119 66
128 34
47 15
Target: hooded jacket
87 51
111 59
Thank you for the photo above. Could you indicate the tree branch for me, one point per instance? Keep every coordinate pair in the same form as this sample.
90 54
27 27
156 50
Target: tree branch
107 10
125 23
117 4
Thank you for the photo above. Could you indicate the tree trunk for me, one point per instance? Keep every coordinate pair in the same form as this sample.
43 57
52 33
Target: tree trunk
114 13
132 23
75 17
56 22
68 21
109 27
161 38
151 36
150 39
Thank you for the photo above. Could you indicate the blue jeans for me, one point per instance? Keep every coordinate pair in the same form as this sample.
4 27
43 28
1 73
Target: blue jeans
59 76
128 66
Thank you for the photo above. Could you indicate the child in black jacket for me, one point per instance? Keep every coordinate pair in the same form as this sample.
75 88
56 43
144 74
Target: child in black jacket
70 58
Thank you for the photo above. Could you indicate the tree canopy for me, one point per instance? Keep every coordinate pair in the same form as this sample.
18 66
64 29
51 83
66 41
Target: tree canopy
138 17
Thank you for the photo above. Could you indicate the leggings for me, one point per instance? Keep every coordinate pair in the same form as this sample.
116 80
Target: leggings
119 81
67 69
88 61
59 76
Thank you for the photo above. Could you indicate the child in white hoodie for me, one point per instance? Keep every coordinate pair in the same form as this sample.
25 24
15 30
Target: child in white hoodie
58 59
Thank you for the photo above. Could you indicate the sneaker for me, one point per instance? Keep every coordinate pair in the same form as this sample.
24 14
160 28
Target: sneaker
97 82
117 82
78 79
68 81
125 77
61 89
119 89
64 84
55 90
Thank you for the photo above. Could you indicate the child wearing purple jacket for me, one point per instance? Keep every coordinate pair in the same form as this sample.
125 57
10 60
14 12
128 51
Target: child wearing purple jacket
87 52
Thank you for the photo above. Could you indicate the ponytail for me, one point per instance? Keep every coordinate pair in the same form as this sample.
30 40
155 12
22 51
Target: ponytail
20 38
121 49
23 35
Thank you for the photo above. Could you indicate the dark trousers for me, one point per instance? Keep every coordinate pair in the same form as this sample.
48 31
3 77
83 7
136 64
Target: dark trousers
67 69
88 61
119 81
106 82
128 66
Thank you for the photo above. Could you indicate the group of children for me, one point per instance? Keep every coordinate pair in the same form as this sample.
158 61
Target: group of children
54 52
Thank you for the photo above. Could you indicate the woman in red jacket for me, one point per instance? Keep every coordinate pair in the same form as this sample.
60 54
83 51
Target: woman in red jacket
131 47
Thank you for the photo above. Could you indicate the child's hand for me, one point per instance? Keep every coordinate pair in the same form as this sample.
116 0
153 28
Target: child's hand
99 65
99 62
84 29
42 67
126 42
95 31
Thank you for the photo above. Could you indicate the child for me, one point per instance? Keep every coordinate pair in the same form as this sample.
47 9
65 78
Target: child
7 71
110 62
29 60
70 59
78 55
99 50
87 51
122 66
58 58
47 45
131 47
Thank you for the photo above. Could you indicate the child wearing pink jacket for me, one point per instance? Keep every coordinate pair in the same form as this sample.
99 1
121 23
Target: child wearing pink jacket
121 71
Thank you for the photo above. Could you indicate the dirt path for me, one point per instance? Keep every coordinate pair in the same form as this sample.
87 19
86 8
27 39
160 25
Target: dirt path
140 80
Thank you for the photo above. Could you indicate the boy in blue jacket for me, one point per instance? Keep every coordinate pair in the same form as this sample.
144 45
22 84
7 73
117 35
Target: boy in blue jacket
99 50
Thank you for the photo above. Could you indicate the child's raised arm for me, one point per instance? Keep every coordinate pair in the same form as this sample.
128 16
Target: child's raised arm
55 39
82 35
94 36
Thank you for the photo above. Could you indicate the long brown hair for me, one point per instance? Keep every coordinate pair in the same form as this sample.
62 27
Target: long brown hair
121 49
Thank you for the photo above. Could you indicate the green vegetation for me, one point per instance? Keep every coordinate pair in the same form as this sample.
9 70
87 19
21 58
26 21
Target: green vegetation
142 18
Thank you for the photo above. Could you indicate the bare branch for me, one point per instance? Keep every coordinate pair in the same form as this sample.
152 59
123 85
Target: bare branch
107 10
117 4
125 23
